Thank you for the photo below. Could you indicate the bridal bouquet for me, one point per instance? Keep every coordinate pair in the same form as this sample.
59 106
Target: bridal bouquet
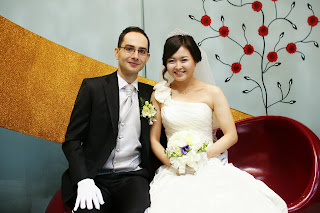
186 148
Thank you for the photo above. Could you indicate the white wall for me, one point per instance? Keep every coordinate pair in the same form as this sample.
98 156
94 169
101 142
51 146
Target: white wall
92 27
89 27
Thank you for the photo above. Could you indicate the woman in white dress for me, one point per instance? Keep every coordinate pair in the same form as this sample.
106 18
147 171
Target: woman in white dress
189 105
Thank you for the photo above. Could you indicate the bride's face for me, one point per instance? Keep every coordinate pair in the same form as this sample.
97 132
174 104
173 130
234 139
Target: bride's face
181 65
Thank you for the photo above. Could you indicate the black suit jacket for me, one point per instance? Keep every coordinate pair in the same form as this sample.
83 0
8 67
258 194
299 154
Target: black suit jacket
92 132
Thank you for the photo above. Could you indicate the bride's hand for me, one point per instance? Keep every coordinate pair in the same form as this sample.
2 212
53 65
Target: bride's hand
189 170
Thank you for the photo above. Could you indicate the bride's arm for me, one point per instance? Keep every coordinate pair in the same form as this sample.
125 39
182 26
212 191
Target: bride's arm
155 133
226 123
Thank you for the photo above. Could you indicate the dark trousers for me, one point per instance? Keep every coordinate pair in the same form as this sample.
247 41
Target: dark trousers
122 193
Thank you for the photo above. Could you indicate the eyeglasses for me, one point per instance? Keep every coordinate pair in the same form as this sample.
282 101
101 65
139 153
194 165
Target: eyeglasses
131 50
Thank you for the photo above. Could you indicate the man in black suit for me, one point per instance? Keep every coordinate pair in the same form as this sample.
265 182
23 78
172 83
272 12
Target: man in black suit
107 146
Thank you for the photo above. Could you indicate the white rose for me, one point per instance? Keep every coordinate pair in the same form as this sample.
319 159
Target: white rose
162 91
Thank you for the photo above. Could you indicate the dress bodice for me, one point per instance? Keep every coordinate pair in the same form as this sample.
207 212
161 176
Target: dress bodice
181 116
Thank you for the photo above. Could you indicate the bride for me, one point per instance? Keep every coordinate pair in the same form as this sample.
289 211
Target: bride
189 107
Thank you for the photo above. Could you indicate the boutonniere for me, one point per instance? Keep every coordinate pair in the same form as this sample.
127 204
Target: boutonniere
148 111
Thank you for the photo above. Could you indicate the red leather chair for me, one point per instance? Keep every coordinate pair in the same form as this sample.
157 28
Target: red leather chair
56 205
284 154
280 151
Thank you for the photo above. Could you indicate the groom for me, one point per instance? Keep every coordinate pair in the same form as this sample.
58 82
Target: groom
107 142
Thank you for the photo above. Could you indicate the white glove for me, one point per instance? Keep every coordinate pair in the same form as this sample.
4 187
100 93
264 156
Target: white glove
88 193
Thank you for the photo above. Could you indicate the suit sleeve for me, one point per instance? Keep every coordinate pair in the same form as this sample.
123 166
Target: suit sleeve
77 133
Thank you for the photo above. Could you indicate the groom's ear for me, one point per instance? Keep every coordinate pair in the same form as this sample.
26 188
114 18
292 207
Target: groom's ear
148 57
116 53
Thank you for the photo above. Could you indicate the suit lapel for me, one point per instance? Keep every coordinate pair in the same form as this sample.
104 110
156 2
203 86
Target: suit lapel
112 96
111 88
145 128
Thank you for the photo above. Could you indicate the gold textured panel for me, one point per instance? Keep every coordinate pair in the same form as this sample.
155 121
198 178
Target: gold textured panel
40 81
237 115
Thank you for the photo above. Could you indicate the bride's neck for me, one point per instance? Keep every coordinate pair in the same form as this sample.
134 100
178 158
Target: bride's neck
182 85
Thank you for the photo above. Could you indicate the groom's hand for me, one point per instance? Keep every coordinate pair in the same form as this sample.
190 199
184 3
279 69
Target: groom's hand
88 194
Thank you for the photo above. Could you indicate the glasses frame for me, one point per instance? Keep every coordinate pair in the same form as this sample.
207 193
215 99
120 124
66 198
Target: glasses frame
133 50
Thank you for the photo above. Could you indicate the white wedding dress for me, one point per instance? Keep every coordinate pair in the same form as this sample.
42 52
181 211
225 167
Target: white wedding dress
215 187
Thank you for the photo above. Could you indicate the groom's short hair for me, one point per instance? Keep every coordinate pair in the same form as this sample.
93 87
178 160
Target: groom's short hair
132 29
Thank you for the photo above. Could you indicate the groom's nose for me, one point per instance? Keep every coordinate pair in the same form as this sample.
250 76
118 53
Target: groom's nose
135 55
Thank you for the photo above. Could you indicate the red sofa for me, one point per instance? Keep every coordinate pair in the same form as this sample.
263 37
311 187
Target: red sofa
280 151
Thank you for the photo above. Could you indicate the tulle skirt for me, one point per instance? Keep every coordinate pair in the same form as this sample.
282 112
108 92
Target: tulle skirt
214 188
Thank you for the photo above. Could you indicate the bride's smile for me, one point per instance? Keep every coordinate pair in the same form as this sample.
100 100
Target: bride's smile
179 73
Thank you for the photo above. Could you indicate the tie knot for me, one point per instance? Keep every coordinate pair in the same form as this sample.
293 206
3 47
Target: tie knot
129 89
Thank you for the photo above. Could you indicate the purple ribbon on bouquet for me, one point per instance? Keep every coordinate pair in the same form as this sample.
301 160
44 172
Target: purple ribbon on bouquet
185 149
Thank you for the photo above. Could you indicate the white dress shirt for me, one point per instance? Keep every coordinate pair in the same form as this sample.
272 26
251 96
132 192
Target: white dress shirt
126 156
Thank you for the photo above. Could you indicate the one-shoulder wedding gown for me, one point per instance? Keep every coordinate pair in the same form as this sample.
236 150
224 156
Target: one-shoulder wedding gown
216 187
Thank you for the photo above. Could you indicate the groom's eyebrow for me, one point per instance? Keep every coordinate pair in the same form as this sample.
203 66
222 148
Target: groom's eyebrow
140 48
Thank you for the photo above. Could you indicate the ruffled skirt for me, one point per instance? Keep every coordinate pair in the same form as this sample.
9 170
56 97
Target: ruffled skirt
214 188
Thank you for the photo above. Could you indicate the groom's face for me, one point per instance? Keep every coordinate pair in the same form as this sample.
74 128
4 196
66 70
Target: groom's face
130 55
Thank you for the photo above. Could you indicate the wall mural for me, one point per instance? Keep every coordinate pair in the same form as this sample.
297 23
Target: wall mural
268 60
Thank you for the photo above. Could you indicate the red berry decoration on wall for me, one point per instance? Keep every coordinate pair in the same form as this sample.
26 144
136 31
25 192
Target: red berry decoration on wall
272 56
291 48
206 20
236 67
224 31
248 49
263 30
257 6
269 57
313 21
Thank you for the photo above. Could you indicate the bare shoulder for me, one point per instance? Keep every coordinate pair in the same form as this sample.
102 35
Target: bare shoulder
210 94
211 90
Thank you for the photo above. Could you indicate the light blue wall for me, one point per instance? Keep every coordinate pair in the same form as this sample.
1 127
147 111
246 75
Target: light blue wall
89 27
305 74
31 168
92 28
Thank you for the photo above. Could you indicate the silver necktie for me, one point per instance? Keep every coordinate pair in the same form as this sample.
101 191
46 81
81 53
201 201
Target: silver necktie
125 108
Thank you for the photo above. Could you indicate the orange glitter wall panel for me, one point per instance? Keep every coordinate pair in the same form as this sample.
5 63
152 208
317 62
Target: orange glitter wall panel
40 81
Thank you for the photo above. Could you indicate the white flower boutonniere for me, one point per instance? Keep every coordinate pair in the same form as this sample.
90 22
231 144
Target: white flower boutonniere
148 110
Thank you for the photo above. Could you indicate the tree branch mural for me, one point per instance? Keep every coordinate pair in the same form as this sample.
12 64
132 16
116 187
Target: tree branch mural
268 60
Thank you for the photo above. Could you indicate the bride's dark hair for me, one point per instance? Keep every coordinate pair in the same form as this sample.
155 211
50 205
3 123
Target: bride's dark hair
174 43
